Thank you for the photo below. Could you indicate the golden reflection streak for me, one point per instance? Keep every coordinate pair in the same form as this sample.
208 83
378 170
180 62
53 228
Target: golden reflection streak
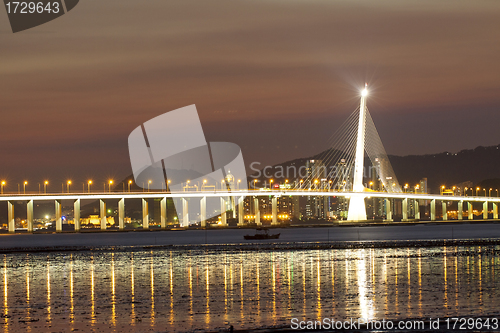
92 291
152 281
420 283
5 295
207 317
132 290
396 284
171 290
366 307
289 277
304 283
49 317
445 278
480 266
318 288
71 291
241 291
113 296
190 289
409 281
258 289
386 305
274 286
28 314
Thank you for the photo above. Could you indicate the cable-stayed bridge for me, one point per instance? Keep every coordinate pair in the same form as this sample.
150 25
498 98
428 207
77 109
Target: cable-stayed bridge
357 136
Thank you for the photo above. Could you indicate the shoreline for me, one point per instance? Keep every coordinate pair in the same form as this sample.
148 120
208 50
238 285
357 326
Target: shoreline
250 247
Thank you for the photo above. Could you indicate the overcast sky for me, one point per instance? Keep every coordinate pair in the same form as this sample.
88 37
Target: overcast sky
276 77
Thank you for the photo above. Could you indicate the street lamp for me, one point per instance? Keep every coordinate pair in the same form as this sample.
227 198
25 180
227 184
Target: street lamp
69 183
239 181
168 182
477 191
489 193
129 183
406 187
465 191
24 186
484 191
88 185
149 182
271 184
109 186
301 181
45 183
442 189
3 184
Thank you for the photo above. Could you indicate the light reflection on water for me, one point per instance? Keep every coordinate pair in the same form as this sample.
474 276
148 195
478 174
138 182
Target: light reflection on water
164 289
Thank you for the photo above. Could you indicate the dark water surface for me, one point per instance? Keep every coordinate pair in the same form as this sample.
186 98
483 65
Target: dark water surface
165 290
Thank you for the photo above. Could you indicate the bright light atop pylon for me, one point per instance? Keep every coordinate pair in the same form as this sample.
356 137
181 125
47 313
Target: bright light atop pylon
364 92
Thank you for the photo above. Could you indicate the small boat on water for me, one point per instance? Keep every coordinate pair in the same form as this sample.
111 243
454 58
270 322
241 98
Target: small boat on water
262 233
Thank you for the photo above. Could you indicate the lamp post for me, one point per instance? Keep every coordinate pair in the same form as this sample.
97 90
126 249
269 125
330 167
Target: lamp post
109 186
465 191
271 184
238 185
484 191
88 185
489 193
168 183
3 184
69 183
129 183
442 189
45 183
301 182
406 187
149 183
24 186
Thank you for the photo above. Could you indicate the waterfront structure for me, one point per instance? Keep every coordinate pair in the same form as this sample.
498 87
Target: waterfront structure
464 204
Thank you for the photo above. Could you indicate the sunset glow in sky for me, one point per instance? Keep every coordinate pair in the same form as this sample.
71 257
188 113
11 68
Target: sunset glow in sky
276 77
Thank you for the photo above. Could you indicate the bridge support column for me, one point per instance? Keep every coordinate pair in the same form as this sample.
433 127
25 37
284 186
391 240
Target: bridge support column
145 214
103 214
388 209
121 214
433 210
485 210
275 211
11 220
257 211
223 216
495 210
405 209
58 215
241 220
203 212
444 211
470 211
460 210
76 215
417 209
185 212
163 213
29 215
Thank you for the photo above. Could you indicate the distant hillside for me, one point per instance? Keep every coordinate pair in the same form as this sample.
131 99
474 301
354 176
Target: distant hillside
475 165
